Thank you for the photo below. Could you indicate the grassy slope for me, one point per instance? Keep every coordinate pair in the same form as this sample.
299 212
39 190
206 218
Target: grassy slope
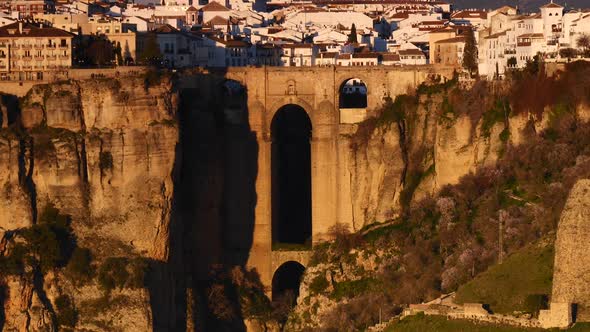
421 323
505 286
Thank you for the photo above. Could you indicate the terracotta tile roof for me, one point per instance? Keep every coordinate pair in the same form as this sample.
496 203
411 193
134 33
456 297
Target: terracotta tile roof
217 20
400 15
191 9
459 39
297 45
390 57
365 55
214 7
328 55
531 35
470 14
231 42
410 52
31 30
166 28
344 56
496 35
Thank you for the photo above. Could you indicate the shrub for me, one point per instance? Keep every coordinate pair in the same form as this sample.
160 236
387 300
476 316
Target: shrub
139 269
349 289
113 273
66 312
318 284
533 303
105 161
78 267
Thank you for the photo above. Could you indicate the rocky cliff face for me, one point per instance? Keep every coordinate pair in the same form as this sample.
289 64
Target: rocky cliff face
572 263
103 152
430 149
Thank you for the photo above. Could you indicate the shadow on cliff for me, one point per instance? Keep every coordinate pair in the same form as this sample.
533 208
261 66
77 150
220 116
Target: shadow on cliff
212 217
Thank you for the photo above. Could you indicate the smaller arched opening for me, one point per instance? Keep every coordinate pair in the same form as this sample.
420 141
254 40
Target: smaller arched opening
286 281
353 94
234 101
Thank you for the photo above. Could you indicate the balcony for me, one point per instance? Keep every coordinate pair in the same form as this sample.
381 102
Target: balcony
25 67
522 44
26 46
64 57
39 46
556 30
50 46
509 51
64 46
39 57
51 57
27 57
38 66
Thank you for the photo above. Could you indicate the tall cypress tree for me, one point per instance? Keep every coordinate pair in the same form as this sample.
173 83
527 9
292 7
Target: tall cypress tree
470 53
352 36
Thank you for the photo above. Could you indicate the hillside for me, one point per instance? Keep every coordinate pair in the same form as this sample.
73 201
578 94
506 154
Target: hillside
534 130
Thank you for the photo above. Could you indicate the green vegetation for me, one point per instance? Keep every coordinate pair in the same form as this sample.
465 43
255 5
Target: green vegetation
165 122
442 241
423 323
394 111
67 315
498 113
121 272
318 284
521 283
105 161
348 289
79 268
413 180
431 89
470 53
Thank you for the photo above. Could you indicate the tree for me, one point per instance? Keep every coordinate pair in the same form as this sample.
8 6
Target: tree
100 52
352 37
512 62
119 54
151 52
568 53
584 43
470 53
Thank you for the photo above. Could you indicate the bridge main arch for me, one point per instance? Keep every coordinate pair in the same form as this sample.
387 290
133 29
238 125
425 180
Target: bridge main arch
291 129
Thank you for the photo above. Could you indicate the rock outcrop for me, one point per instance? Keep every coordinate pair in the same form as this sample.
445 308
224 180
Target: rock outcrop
103 152
571 277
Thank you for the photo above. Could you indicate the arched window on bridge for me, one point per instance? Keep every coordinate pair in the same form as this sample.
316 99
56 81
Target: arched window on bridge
291 176
285 285
353 94
234 102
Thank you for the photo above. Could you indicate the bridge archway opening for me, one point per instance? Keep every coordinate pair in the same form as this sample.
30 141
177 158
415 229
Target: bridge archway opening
286 281
291 176
353 94
234 101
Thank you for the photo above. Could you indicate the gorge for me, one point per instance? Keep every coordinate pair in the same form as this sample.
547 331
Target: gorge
184 181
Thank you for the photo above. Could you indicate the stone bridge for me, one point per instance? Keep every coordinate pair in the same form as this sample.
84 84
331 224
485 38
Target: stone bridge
300 136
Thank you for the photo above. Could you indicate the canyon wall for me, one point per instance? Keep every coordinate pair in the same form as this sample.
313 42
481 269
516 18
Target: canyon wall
103 152
572 262
162 173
